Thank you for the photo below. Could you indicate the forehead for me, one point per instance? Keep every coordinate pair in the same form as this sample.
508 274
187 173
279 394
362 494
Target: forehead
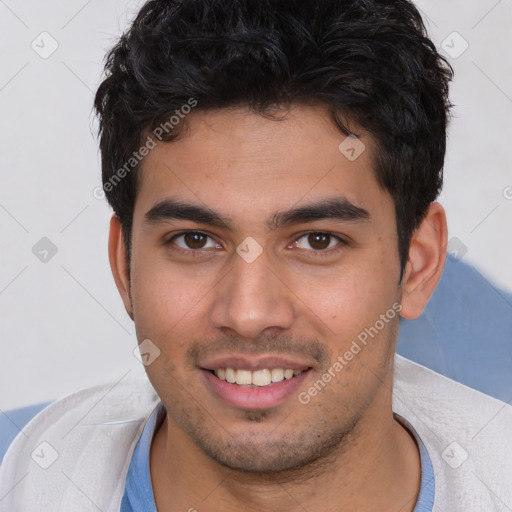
231 158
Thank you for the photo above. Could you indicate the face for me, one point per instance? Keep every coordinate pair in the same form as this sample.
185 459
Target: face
261 251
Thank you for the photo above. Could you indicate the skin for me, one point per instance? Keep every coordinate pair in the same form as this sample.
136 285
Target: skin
344 450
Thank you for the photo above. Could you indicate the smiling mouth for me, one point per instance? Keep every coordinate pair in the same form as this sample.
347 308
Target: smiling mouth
256 378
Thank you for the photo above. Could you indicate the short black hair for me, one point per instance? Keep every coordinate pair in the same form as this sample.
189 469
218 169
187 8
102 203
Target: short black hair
370 62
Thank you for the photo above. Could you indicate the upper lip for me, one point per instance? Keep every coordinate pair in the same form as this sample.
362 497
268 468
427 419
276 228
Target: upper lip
253 363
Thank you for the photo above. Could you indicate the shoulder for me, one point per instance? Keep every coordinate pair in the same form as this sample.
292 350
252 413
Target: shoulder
89 435
467 435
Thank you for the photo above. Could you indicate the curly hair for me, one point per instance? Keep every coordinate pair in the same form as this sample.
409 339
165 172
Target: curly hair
370 62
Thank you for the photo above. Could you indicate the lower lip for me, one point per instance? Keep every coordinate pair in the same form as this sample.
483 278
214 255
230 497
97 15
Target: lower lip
253 398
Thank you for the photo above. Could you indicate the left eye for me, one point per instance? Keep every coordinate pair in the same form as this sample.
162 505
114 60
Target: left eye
317 241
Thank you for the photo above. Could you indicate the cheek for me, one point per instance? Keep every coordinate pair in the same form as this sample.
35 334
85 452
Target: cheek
362 317
351 297
351 316
167 300
168 310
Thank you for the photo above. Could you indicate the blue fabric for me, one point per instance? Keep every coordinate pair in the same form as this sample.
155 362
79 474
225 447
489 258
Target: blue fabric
425 501
465 332
13 421
138 491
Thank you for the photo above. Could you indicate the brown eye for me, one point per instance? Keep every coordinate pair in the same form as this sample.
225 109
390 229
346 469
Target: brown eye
317 241
195 240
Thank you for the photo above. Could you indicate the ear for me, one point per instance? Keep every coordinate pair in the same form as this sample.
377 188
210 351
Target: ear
427 255
118 263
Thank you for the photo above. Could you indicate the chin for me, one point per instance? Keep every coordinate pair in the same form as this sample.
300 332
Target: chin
261 455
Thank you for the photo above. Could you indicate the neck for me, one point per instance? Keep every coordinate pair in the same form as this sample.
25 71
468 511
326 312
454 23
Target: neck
374 468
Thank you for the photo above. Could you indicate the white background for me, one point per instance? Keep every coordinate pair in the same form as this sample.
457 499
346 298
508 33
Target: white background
63 326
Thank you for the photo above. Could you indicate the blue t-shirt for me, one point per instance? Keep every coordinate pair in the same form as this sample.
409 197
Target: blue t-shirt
138 492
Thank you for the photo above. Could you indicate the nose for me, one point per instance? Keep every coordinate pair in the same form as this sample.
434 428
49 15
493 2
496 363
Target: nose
251 299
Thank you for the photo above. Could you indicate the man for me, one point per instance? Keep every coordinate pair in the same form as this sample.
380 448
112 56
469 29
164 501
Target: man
273 168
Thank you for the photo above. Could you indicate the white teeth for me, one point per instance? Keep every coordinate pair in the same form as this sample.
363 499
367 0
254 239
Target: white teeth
277 375
243 377
262 377
230 375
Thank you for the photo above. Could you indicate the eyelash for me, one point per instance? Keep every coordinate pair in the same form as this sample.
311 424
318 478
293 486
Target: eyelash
318 253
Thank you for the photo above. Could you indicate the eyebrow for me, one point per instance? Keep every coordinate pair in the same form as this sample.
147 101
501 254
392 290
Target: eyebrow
338 208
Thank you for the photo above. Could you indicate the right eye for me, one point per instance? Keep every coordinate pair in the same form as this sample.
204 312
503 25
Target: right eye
192 241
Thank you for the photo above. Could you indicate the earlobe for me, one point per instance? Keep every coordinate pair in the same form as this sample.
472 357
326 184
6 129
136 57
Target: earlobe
427 255
118 263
